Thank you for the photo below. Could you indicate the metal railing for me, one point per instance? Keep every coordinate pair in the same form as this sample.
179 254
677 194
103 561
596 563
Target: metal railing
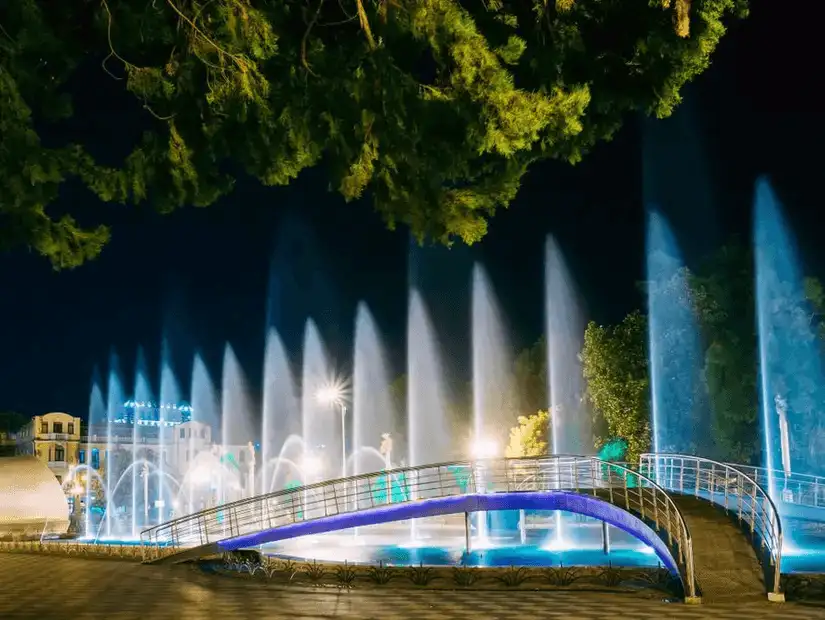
727 486
617 484
793 488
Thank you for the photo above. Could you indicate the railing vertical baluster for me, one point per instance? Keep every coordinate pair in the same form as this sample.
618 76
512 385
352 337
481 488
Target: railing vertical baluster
641 496
726 489
558 475
626 493
655 507
740 489
697 471
574 470
593 465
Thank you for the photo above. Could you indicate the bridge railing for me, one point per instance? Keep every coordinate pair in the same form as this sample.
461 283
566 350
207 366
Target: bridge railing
615 483
792 488
727 486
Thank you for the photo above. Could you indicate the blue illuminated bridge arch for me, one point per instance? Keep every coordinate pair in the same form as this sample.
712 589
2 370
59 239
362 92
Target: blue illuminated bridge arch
587 505
612 492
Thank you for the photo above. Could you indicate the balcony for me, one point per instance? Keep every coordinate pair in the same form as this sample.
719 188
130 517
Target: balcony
57 464
55 437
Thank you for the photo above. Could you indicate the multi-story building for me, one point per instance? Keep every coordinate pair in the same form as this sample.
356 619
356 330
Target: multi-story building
54 438
182 451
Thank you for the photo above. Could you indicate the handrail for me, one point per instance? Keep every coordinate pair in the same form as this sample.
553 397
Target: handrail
711 480
792 488
618 484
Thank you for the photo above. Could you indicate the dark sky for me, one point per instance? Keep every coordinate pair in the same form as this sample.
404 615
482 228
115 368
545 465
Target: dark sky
202 277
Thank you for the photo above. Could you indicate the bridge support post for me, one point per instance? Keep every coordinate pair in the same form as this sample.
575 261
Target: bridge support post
467 547
605 538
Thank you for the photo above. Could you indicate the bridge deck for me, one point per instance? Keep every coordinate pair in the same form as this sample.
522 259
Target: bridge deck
724 559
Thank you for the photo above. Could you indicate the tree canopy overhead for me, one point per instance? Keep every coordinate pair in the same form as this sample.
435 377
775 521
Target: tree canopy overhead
435 107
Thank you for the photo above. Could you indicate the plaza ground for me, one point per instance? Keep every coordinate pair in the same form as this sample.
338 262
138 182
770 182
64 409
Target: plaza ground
49 587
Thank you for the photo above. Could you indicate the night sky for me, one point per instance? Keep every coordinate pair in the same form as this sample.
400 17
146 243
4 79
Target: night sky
202 277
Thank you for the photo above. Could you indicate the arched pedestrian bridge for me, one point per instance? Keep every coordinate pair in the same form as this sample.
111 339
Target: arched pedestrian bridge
657 514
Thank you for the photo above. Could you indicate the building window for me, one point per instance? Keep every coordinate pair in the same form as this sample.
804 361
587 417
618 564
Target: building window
81 457
183 433
44 427
57 426
95 458
59 454
70 428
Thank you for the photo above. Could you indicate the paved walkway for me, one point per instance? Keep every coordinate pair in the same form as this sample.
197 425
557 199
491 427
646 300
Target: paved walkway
53 588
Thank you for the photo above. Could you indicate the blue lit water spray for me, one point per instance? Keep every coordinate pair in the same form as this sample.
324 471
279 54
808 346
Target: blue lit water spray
679 408
790 362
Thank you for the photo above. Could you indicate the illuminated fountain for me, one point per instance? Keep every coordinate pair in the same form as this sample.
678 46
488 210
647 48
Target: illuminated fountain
493 393
572 427
790 368
373 408
281 416
314 426
679 408
321 430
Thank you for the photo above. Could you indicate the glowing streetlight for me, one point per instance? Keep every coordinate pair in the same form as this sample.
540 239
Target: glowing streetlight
330 394
310 466
334 395
484 449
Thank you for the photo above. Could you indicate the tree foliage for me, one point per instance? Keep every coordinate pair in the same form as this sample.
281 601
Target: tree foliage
436 107
530 378
531 437
615 366
11 421
723 296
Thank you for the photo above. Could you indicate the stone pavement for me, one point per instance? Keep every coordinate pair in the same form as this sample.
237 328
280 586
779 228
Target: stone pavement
35 587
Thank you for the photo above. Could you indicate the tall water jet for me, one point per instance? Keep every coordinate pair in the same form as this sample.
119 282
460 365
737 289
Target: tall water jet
97 411
572 427
679 408
493 408
791 377
205 410
115 398
320 422
143 401
237 428
167 409
428 429
281 412
373 415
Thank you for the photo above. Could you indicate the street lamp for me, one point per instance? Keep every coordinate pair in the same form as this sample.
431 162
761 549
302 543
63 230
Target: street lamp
333 395
310 466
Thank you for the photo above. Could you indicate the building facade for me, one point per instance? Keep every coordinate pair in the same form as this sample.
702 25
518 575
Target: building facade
54 439
131 452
